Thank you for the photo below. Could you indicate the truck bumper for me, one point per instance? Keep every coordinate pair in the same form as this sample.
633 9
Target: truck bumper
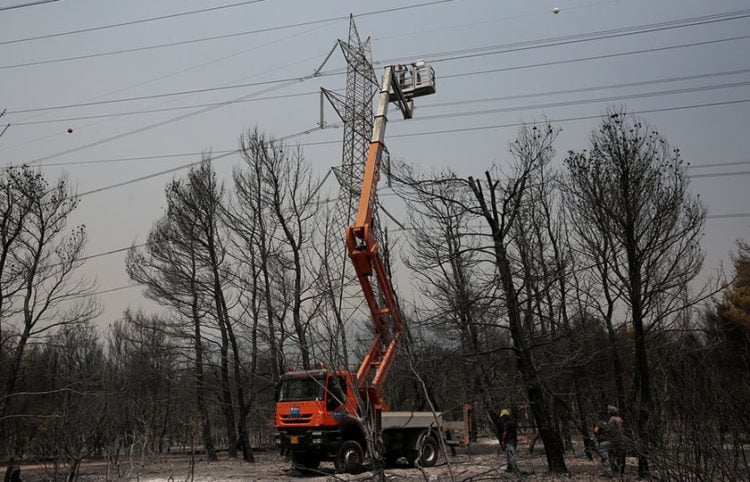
322 441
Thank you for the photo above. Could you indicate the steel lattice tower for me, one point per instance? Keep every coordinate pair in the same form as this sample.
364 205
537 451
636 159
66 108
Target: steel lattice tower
356 111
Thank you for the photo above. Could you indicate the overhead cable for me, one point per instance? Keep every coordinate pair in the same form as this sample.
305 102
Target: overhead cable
27 4
181 167
423 107
210 38
444 131
123 24
334 72
40 160
454 55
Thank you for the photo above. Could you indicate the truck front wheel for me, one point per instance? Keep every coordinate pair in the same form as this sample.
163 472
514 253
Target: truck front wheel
349 457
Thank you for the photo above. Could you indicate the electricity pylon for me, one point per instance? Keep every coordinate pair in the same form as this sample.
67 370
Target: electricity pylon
355 108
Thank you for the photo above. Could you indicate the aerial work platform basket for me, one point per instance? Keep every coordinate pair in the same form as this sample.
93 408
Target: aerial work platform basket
415 79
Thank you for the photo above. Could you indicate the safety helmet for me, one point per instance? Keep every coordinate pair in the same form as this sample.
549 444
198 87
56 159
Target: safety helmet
504 412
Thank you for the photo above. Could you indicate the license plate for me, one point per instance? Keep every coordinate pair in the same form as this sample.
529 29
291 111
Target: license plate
294 439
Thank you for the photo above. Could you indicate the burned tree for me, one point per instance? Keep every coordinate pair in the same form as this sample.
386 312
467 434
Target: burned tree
502 203
40 291
280 186
443 253
170 270
198 204
632 189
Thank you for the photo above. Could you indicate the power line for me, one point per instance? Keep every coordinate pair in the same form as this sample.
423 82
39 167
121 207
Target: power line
581 90
717 164
562 120
164 109
428 106
158 124
584 101
449 115
570 119
152 175
164 45
170 120
27 4
340 71
445 131
123 24
101 292
587 37
728 216
719 174
137 158
203 110
456 55
152 47
145 20
166 94
181 167
600 57
554 121
222 151
114 251
214 37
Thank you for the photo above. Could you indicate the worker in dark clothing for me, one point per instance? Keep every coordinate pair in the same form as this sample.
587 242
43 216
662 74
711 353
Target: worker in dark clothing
509 440
604 444
610 442
617 456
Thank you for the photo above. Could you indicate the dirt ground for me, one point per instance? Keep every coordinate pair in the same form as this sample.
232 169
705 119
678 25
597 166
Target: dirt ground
479 462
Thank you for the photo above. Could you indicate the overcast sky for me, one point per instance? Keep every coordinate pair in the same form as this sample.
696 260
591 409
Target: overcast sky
147 85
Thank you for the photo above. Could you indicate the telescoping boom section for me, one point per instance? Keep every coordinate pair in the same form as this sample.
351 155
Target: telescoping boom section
400 84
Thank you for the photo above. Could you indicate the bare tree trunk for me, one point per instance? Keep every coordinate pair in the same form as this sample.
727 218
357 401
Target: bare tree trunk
540 408
553 445
200 384
226 392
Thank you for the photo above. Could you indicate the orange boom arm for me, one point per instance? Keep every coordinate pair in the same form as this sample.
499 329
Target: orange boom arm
400 84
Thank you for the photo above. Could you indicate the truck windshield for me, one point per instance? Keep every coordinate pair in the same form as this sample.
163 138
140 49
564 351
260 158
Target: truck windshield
295 389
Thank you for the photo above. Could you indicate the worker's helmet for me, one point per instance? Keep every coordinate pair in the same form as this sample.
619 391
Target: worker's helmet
504 413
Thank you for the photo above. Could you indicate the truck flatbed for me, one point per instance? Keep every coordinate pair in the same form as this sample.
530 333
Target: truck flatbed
393 420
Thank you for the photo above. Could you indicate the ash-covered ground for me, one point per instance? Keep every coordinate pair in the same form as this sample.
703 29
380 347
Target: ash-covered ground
481 461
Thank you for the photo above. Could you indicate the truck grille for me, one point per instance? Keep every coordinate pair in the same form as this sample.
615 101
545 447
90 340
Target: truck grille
301 419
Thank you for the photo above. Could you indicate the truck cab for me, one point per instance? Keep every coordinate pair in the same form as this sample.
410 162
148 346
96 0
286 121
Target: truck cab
315 411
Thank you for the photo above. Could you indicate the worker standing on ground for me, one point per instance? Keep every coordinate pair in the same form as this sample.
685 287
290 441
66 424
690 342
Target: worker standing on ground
509 440
617 455
604 444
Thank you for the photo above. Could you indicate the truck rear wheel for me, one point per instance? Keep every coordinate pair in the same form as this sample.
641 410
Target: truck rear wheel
426 454
349 457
